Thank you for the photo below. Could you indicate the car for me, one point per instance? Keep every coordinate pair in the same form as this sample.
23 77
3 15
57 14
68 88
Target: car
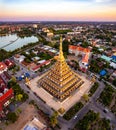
27 86
35 93
75 117
105 110
28 92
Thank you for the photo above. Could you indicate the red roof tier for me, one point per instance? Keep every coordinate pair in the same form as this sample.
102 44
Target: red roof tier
85 58
79 48
8 95
9 63
2 66
38 66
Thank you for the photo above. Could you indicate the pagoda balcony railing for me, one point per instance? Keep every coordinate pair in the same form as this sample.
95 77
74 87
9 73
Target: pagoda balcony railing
52 78
58 71
51 84
69 79
57 79
69 84
63 76
73 85
48 88
62 95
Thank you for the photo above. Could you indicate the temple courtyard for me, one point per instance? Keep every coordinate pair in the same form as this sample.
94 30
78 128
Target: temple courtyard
53 102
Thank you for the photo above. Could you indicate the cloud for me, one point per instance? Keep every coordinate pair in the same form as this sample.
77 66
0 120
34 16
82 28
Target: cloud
102 1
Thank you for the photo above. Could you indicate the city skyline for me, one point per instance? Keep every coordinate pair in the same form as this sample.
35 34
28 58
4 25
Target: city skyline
62 10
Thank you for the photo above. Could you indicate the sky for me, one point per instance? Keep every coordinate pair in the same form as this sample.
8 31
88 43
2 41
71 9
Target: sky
57 10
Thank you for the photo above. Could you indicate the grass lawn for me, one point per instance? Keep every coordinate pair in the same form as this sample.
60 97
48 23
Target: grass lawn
93 89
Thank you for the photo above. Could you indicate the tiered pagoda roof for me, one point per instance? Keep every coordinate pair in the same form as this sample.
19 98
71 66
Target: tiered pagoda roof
60 81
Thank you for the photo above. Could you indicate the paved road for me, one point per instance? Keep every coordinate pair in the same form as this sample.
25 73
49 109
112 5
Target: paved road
108 115
91 105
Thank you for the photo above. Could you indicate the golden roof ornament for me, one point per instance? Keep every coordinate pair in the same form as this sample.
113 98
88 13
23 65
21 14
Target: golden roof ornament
61 57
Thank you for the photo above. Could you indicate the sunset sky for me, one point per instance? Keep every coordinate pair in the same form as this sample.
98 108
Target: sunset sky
57 10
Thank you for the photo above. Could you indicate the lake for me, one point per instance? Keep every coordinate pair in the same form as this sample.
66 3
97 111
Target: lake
16 41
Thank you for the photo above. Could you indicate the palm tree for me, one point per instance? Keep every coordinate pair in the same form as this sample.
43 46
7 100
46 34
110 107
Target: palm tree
53 119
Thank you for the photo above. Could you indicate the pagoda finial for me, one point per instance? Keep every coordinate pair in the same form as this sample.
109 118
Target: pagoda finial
61 44
61 57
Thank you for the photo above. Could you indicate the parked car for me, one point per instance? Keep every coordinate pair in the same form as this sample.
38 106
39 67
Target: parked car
75 117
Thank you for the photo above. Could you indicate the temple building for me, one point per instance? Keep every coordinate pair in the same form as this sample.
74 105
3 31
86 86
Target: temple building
61 81
84 52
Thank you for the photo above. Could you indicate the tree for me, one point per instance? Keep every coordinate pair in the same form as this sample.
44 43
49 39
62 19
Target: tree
25 97
19 97
4 54
55 114
18 92
65 45
27 60
86 97
13 71
18 111
13 79
114 82
85 44
12 117
18 68
53 119
114 43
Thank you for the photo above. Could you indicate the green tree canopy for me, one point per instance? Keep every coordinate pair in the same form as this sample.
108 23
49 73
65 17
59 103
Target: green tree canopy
12 116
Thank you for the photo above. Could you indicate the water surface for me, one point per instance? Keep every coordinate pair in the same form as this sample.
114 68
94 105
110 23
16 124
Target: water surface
17 41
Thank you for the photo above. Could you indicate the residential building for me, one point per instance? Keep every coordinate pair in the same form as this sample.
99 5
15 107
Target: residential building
84 52
19 58
6 95
3 67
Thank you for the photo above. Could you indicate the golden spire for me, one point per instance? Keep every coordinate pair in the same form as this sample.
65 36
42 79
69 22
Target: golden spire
61 57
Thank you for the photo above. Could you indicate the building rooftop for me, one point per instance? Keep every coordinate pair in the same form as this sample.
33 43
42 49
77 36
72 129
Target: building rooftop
5 93
9 63
85 58
79 48
2 66
41 64
35 124
106 58
103 72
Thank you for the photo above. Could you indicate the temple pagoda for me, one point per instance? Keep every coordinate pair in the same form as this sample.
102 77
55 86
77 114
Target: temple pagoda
60 81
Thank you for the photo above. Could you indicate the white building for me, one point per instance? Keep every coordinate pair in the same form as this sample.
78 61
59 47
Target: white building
19 58
34 124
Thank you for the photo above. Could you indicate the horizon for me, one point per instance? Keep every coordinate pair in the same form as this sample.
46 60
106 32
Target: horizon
62 10
58 21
